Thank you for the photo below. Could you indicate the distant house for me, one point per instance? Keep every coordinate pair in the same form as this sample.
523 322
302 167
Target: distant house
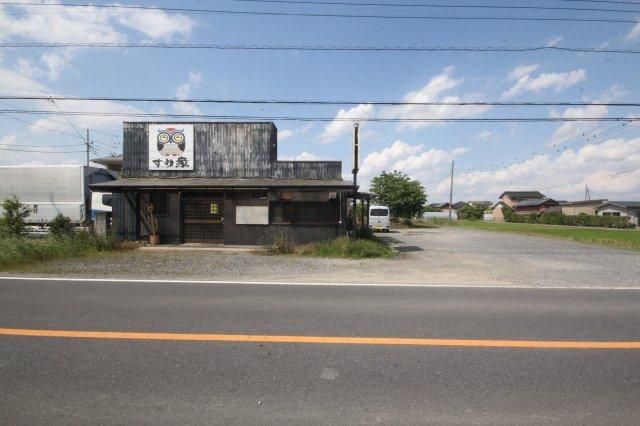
630 209
537 205
510 199
573 208
444 207
485 204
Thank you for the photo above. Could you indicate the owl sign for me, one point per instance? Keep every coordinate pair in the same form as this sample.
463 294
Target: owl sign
170 147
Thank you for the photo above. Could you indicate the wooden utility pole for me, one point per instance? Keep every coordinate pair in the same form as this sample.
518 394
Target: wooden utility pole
451 189
356 148
87 143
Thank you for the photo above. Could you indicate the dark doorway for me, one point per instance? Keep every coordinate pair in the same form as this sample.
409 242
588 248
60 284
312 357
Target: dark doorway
203 220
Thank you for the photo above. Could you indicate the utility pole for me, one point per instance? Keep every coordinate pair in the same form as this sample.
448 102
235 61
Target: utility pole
87 143
587 195
356 148
451 189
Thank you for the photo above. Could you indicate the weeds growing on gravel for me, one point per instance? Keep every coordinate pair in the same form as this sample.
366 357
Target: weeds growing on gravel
19 250
345 247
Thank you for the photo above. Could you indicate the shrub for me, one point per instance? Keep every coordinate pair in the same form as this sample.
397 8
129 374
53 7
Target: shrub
469 212
61 225
12 222
557 218
276 242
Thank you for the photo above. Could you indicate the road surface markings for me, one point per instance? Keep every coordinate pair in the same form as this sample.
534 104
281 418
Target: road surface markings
331 340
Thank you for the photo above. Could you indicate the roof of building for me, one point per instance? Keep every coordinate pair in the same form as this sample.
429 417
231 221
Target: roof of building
528 202
112 160
583 202
480 203
623 204
195 183
522 194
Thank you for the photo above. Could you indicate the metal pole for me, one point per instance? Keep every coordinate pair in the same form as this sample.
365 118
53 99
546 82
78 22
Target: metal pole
87 143
356 146
451 189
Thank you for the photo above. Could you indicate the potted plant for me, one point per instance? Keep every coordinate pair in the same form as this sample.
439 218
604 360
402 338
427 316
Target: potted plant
151 221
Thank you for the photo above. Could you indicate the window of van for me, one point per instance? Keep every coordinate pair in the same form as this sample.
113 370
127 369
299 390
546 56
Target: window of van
379 212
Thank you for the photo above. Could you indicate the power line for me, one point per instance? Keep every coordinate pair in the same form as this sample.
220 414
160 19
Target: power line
29 123
41 152
434 5
319 48
316 102
347 119
603 1
329 15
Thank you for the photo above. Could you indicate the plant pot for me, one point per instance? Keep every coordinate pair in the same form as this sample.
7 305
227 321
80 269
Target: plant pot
154 240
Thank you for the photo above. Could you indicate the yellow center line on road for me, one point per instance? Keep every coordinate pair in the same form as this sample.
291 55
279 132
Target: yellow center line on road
331 340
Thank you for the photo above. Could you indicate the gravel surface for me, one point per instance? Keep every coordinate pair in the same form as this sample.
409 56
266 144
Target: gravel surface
450 256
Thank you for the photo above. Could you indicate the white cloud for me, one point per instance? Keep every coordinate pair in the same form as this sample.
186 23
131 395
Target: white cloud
573 129
291 133
634 33
522 70
561 177
554 41
56 62
21 84
184 91
304 156
417 161
435 91
556 81
26 68
89 24
285 134
158 25
484 136
344 122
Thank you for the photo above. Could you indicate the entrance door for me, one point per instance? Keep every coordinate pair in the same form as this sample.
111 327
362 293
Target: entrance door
203 220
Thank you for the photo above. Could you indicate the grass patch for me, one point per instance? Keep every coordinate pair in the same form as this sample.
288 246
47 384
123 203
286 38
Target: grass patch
17 251
618 238
347 248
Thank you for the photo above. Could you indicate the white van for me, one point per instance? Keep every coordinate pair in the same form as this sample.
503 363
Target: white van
379 219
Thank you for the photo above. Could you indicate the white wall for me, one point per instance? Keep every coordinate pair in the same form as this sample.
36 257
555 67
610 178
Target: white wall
440 215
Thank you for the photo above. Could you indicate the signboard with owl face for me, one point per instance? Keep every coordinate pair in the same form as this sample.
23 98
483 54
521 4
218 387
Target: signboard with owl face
170 146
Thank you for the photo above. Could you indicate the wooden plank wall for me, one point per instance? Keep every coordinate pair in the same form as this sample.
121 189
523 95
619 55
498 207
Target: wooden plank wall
226 150
257 234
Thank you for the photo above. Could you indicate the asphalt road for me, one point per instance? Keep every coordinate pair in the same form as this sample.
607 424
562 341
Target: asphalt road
62 380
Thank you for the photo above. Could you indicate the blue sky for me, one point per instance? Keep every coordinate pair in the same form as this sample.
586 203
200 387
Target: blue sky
490 155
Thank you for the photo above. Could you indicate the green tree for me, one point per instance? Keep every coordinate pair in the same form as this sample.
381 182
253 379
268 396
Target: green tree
14 213
469 212
404 196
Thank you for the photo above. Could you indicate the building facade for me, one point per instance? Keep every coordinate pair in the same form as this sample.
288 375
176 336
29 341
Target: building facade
630 209
220 182
574 208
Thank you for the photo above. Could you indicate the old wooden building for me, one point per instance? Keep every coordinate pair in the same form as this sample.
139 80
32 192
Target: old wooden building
221 182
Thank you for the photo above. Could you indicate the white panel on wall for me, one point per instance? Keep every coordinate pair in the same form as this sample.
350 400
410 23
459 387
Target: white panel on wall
252 215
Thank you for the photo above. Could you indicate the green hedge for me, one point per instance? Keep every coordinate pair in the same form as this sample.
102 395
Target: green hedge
557 218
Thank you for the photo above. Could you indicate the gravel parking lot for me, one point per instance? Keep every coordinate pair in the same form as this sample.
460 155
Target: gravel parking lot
449 256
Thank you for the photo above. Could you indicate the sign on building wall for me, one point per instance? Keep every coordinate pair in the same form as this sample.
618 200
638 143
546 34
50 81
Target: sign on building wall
171 146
